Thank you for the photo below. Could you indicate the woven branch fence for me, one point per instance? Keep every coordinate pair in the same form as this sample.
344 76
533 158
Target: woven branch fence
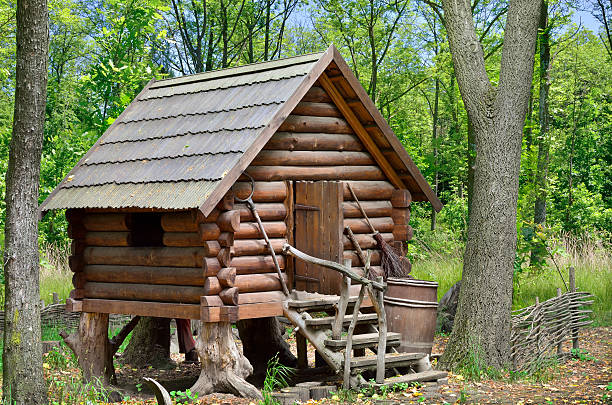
538 331
54 316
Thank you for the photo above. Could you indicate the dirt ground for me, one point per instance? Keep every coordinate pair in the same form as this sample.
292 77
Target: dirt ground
577 381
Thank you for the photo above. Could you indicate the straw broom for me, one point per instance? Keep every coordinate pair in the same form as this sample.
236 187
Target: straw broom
392 264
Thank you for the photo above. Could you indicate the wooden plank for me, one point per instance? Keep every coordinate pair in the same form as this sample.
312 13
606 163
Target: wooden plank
364 338
319 233
392 359
423 376
248 298
327 321
74 305
260 310
142 308
361 132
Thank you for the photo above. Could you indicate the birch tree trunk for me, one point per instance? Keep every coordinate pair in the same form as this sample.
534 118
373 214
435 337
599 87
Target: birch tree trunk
497 116
23 381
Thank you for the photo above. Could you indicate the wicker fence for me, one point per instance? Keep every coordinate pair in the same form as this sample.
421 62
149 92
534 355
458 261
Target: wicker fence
54 316
539 331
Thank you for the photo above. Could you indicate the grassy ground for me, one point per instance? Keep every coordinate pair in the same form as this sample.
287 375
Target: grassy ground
593 274
55 274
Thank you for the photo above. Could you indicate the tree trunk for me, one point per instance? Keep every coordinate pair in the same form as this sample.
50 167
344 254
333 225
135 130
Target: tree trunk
23 381
434 142
540 186
92 347
224 368
150 344
497 115
261 340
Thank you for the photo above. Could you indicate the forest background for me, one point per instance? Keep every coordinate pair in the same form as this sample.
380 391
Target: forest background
102 52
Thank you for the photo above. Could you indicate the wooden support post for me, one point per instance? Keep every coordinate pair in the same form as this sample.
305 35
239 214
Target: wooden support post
382 337
302 351
342 304
224 367
560 344
572 285
346 383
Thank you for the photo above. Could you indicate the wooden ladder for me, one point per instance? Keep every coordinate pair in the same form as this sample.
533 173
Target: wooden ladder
334 337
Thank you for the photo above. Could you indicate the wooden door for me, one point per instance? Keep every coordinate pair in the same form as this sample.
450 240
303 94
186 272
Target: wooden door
318 232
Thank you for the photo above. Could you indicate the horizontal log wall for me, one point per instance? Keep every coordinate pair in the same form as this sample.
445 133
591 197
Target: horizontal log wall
223 257
317 143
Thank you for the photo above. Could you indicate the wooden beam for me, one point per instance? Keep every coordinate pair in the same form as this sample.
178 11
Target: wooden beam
142 308
361 132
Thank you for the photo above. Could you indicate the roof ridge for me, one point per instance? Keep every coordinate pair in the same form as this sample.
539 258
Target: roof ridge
238 70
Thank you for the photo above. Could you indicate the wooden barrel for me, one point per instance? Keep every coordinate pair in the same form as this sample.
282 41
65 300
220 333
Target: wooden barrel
411 308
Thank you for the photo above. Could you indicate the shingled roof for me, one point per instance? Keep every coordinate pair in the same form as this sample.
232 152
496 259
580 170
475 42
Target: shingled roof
183 142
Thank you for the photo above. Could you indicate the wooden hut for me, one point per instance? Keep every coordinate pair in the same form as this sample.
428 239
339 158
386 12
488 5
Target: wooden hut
154 224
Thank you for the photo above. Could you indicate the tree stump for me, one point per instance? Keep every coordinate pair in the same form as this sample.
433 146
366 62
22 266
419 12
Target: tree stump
150 344
262 339
92 347
224 368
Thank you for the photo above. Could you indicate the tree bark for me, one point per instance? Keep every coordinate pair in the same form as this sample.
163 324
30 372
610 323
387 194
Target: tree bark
92 347
224 368
434 142
23 381
497 116
261 340
150 344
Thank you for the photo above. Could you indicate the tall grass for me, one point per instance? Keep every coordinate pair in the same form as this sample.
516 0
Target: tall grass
590 257
55 273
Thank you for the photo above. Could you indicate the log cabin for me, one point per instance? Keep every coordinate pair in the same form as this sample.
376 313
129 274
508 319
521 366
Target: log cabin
155 225
151 209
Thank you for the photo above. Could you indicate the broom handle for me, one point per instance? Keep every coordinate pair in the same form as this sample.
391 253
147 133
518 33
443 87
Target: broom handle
361 208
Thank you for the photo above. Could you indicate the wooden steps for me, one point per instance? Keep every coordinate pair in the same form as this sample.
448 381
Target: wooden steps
423 376
328 320
318 303
300 309
363 341
391 360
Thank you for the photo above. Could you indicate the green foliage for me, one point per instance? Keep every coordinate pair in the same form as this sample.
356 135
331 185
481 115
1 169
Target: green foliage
181 397
583 355
72 390
276 378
